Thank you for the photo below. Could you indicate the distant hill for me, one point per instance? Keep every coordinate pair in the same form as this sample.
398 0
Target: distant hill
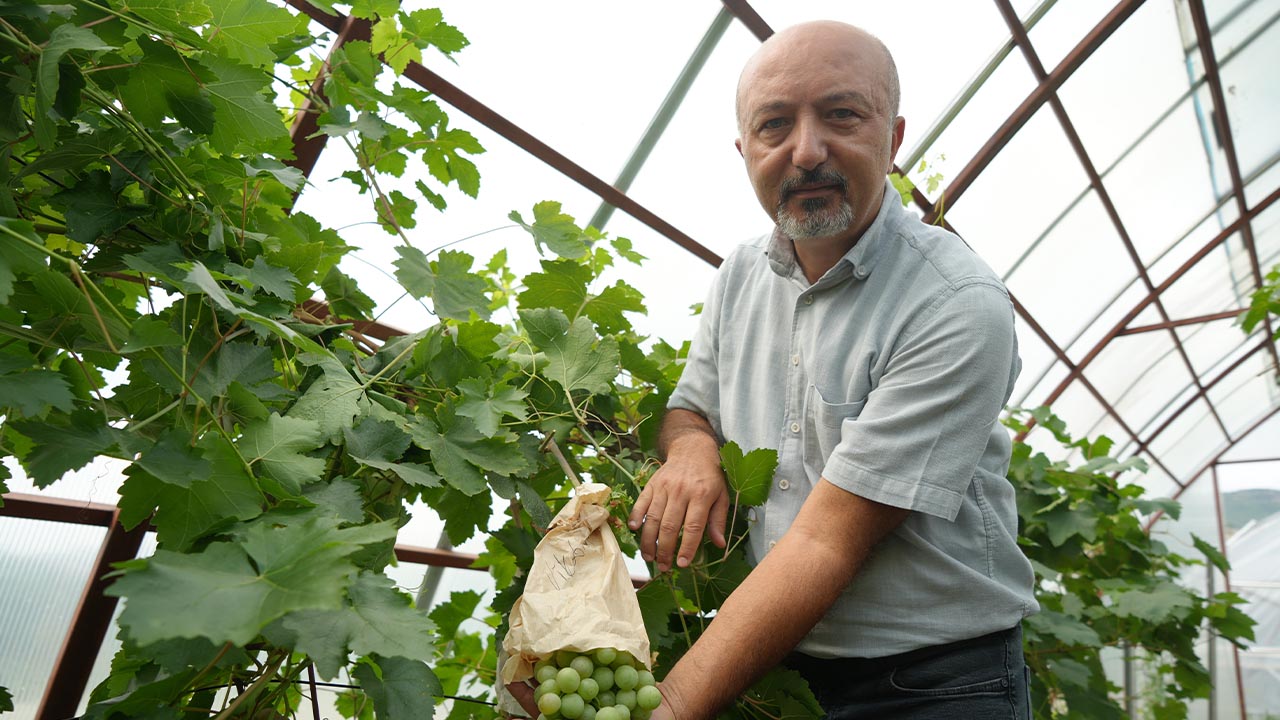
1241 506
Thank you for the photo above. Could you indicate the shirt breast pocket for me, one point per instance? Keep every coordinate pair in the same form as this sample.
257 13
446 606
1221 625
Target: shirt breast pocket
823 424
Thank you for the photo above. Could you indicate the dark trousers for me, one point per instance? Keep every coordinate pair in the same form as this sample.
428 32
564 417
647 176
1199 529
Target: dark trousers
984 678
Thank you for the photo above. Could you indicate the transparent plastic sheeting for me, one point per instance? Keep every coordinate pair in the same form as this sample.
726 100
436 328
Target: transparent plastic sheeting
43 570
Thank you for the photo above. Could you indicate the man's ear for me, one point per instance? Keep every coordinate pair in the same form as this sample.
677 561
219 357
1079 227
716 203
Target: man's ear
738 144
895 139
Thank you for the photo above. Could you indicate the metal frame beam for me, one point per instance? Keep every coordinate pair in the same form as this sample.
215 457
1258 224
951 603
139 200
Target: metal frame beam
1198 320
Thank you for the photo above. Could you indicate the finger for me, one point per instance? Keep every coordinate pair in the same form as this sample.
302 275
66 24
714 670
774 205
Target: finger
641 507
669 531
719 515
695 523
652 520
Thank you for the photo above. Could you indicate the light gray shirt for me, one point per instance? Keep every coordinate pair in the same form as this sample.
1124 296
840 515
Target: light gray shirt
886 377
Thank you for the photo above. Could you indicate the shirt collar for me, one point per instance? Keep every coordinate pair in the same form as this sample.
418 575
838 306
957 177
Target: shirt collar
861 259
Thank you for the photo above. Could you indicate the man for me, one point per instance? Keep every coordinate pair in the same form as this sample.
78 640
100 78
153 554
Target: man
874 353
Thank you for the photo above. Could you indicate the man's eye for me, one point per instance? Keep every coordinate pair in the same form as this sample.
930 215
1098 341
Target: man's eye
773 124
843 113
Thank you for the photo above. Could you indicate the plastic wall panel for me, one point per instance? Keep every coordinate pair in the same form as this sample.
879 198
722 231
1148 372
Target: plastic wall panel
44 567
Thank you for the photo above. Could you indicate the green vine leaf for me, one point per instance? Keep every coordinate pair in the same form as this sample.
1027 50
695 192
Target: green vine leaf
576 358
229 592
246 29
277 448
376 619
750 475
554 229
401 689
487 404
63 39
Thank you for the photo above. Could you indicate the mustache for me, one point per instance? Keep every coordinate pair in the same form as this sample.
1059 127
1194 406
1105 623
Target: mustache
810 178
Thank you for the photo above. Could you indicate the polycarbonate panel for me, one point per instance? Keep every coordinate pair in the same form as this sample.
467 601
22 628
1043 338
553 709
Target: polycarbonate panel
991 105
1064 26
1191 440
582 77
1145 50
1036 359
97 482
1253 95
1162 187
1248 346
1074 273
1266 237
44 567
1261 442
1244 26
1105 321
1207 343
1001 213
1039 387
1137 372
1174 405
1199 516
1220 12
1246 394
1189 243
694 175
111 643
1256 577
1155 481
1220 281
1258 188
1079 409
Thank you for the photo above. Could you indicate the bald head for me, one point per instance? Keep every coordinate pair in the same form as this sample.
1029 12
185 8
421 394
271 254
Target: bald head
797 45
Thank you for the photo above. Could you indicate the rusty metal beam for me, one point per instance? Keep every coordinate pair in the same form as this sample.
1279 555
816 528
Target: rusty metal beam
1074 59
748 16
1199 319
1204 37
1099 188
54 509
1250 460
308 141
1203 252
89 626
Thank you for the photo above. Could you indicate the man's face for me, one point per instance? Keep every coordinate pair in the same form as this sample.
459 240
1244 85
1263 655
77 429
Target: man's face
816 134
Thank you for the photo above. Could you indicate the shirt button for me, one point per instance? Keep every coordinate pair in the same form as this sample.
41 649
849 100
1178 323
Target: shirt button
772 543
795 427
795 359
808 299
784 484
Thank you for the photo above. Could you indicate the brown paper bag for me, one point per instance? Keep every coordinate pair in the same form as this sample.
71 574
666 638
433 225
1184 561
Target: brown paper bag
578 596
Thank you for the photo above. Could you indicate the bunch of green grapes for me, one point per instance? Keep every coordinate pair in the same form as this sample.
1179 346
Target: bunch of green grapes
602 684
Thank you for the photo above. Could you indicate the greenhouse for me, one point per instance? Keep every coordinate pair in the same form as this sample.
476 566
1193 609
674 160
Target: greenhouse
314 313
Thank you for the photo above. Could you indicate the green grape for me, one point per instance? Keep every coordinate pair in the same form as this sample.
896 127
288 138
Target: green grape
624 658
641 714
605 656
624 712
626 697
545 673
547 686
572 705
583 665
608 713
625 677
648 697
564 657
549 704
588 713
603 677
646 678
589 689
568 679
605 699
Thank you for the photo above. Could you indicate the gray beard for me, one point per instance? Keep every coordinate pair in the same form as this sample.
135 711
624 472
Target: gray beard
820 219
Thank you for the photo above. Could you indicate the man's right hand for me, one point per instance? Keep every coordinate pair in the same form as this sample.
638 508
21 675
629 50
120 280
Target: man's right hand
687 496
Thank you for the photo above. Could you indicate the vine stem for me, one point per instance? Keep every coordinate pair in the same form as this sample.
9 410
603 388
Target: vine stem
550 445
267 674
205 670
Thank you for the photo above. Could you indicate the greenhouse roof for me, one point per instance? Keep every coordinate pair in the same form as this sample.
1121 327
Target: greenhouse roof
1115 163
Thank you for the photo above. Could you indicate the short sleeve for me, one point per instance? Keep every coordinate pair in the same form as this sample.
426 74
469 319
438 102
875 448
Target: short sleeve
919 438
699 387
